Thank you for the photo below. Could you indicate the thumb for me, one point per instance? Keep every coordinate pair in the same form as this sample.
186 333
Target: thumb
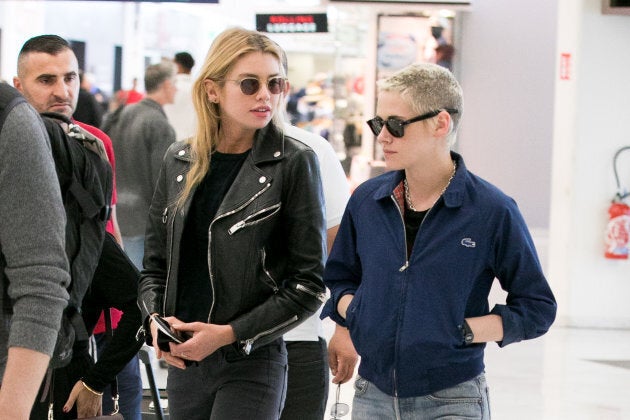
72 398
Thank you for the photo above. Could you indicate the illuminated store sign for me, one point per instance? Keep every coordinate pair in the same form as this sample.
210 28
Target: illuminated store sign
293 23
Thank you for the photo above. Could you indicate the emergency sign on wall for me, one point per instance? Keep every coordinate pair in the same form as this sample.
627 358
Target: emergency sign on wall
292 23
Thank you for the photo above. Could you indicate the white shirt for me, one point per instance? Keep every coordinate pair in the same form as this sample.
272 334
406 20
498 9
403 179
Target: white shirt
181 113
336 196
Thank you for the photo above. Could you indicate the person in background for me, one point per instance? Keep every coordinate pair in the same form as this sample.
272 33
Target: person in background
33 263
235 241
181 113
141 136
131 96
308 379
416 254
48 76
88 110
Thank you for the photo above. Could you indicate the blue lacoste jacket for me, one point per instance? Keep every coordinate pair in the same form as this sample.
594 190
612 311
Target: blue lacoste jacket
405 315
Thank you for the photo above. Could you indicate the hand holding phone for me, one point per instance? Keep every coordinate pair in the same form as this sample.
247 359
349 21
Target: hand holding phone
166 334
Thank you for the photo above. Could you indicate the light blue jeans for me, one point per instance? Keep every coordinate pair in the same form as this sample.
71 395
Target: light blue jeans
468 400
134 247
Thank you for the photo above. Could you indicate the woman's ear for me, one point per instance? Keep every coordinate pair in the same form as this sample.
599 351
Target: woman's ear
212 90
443 124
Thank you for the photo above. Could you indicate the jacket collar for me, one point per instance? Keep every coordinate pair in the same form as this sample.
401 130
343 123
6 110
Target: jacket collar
268 146
453 196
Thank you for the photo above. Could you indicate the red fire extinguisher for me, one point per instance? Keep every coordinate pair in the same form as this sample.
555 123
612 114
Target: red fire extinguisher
618 227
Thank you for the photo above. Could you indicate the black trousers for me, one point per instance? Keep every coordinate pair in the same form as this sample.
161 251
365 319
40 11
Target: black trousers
307 386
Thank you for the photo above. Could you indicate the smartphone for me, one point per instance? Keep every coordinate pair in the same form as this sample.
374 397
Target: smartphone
164 327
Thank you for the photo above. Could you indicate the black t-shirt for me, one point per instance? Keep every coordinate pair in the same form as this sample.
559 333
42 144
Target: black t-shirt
194 291
413 220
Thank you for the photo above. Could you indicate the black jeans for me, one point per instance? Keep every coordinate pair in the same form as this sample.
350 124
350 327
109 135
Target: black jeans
230 385
307 390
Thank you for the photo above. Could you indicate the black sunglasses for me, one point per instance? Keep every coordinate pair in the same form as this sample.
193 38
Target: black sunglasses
396 127
251 85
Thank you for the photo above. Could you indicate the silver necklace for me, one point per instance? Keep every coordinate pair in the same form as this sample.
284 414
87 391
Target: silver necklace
408 196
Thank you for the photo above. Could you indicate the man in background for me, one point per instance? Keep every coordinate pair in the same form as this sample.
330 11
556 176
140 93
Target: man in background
33 263
181 113
88 109
141 136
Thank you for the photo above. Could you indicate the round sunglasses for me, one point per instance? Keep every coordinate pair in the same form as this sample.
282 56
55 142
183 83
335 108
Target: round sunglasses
396 126
251 85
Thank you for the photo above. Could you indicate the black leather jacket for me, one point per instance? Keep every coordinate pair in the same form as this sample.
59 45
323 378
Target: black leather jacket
266 242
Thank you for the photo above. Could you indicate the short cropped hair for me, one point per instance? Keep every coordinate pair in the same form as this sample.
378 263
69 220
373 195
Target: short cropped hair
48 44
185 60
156 74
427 87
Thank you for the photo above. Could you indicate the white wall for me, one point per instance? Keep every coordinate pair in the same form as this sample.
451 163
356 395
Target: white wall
507 73
592 110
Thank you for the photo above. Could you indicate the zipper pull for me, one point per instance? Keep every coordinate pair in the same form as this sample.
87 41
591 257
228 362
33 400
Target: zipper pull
404 267
165 215
236 227
248 345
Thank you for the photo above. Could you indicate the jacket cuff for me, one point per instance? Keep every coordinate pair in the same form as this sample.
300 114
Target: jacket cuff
329 311
146 327
510 327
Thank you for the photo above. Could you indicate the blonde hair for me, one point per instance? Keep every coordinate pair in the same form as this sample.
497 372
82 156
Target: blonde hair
427 87
225 51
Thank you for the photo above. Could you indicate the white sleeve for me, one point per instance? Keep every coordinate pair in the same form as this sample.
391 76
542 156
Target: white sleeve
335 185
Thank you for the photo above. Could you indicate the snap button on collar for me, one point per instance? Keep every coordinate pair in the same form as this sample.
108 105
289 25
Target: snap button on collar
276 154
262 179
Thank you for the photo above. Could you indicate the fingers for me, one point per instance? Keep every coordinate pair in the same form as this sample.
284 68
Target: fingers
175 360
72 397
332 362
345 372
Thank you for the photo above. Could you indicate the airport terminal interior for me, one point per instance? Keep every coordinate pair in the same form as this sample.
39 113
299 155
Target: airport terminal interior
546 98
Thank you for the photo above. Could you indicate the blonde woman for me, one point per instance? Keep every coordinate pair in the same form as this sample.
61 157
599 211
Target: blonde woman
236 240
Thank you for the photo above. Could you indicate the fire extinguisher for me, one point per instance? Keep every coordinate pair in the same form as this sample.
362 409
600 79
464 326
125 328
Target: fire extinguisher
618 227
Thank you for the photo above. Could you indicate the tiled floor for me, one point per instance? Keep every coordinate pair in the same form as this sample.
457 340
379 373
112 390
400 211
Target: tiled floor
568 374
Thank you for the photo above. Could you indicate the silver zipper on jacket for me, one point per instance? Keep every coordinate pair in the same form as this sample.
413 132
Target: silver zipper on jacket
242 223
274 284
169 232
401 269
406 265
248 344
318 295
221 216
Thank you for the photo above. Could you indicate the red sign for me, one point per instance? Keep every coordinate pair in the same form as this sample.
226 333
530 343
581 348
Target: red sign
292 23
565 66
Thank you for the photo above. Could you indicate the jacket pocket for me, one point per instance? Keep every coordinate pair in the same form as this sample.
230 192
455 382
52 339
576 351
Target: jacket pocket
353 321
255 218
268 277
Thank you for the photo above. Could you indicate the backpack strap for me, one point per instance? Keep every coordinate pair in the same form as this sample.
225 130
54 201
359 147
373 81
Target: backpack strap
88 206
